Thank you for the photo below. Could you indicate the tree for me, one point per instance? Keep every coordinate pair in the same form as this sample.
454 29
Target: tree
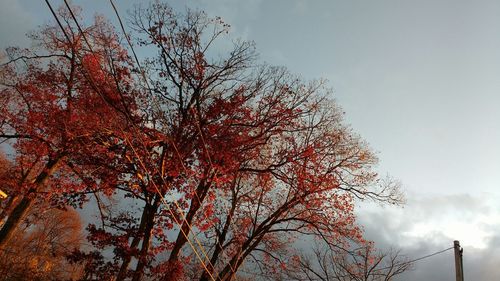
238 145
39 247
211 160
337 264
61 108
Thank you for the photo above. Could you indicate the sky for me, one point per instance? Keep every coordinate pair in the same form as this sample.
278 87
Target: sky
418 80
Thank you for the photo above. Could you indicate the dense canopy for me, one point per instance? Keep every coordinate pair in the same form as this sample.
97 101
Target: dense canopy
202 162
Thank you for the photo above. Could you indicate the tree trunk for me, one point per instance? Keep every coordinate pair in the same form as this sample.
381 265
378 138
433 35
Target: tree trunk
122 274
220 240
229 271
8 206
23 206
196 202
141 263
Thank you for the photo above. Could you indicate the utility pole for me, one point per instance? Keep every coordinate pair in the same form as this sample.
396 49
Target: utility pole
459 266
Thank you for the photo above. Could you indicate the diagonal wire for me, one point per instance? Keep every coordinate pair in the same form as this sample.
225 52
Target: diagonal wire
154 184
144 167
173 144
143 74
157 189
175 147
404 263
155 103
215 174
415 260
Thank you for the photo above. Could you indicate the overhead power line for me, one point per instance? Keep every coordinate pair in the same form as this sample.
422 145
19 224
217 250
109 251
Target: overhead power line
154 184
430 255
415 260
140 161
143 75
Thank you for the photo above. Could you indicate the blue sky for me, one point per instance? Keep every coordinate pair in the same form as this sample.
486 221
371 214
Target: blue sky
419 80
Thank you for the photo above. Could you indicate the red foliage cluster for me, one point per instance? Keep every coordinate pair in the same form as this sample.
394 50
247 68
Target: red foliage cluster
215 152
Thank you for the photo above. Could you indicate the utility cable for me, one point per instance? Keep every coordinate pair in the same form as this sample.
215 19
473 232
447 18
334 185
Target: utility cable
415 260
155 103
96 88
173 144
145 169
143 74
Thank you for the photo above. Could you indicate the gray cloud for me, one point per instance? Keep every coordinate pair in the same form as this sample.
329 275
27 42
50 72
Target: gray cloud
15 22
392 228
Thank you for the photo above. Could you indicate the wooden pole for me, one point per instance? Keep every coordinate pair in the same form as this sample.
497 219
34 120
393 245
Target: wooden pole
459 270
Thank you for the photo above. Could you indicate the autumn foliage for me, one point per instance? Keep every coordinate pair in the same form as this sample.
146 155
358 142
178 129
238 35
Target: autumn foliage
41 245
198 163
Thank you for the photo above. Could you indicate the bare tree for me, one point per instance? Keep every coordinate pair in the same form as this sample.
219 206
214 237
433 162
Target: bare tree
338 264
